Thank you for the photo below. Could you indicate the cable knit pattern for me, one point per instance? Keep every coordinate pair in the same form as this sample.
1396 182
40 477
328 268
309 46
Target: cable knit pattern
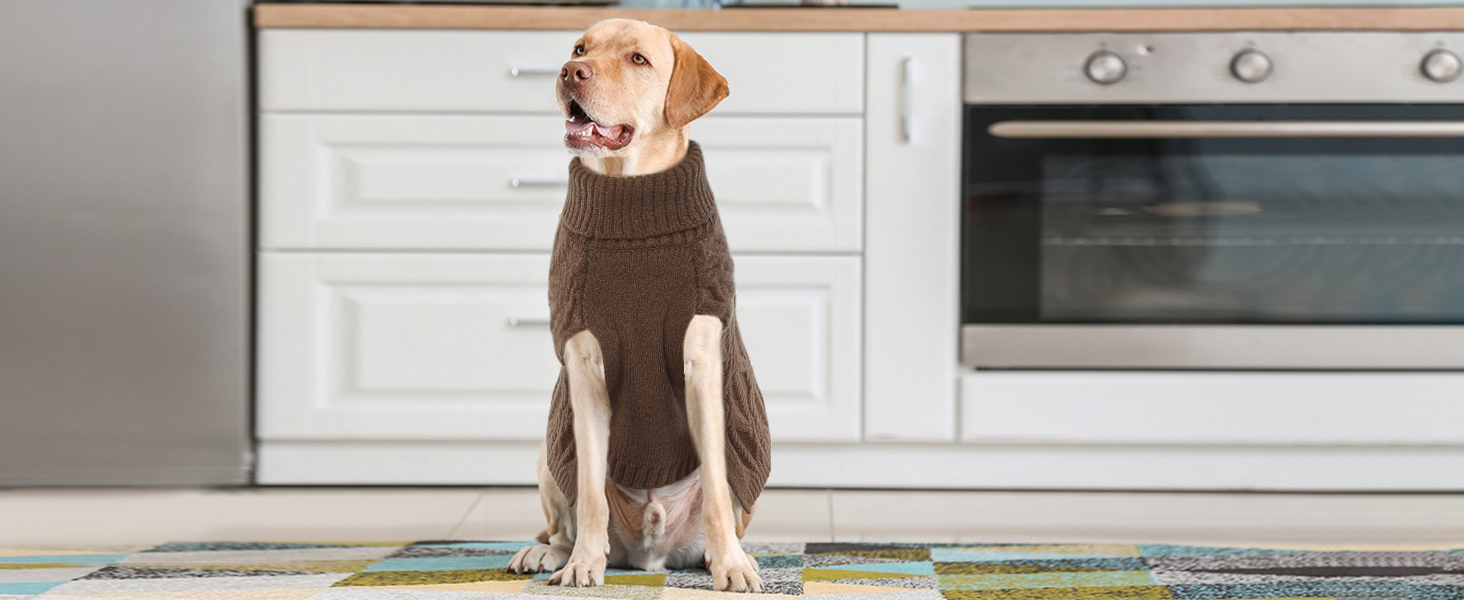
714 287
567 282
635 258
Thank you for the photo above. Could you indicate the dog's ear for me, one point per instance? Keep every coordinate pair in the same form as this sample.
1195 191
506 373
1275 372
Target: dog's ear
695 86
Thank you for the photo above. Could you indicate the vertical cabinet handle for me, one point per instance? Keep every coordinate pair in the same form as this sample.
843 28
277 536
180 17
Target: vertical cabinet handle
907 99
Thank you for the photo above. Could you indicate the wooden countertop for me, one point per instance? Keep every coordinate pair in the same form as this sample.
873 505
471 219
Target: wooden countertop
406 16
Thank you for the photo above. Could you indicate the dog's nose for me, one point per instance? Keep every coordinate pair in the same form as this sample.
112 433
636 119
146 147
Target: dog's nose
576 72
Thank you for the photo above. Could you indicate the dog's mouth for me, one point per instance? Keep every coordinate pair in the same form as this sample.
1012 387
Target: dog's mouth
581 131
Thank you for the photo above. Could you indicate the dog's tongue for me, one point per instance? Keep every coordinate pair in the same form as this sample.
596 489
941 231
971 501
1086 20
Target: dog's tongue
612 133
577 125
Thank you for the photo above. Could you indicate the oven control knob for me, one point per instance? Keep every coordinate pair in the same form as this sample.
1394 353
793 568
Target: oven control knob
1105 68
1442 66
1250 66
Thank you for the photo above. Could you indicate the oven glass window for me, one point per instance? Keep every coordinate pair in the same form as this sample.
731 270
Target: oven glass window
1295 230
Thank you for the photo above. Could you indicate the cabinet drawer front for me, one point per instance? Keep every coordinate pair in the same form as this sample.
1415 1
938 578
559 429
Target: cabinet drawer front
414 70
411 182
455 347
406 70
1200 408
404 346
800 73
498 183
800 321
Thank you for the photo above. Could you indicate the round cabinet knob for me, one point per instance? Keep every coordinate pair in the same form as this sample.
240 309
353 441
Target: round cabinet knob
1250 66
1105 68
1442 66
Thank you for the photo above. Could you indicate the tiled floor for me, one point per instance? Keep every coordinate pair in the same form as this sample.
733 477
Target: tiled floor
91 517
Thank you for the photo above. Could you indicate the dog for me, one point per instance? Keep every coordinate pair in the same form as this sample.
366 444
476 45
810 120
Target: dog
628 93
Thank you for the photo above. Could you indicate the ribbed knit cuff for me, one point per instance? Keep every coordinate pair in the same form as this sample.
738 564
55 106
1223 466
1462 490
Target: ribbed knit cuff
636 476
640 206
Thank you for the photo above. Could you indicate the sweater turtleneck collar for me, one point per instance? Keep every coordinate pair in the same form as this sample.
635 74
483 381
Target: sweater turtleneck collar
639 206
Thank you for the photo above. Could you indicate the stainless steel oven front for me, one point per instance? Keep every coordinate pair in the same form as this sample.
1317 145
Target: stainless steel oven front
1213 201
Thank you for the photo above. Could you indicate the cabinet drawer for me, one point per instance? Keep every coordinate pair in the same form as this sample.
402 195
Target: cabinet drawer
1209 408
377 346
802 73
454 347
497 183
415 70
800 321
410 70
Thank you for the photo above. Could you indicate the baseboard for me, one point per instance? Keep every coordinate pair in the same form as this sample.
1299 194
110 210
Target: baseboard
917 466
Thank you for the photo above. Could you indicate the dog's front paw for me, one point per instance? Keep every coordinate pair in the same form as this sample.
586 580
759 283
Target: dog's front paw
538 559
734 571
581 572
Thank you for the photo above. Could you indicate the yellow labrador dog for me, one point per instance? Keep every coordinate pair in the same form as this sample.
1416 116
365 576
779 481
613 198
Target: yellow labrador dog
627 95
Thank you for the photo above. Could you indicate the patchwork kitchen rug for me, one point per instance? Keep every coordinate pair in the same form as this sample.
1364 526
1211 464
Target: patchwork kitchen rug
452 570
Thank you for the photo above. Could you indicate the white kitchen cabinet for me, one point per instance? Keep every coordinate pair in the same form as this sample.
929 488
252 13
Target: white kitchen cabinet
457 347
913 141
402 286
410 185
799 317
514 71
404 346
497 182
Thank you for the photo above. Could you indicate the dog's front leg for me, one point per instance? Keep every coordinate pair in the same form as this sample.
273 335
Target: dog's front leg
591 404
732 569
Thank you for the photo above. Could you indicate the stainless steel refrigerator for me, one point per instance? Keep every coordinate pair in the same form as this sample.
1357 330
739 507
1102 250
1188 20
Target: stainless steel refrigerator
124 242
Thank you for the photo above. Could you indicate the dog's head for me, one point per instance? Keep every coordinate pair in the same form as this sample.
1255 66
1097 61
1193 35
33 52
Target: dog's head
627 80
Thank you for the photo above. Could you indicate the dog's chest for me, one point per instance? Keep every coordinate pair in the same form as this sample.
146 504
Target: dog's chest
636 285
638 303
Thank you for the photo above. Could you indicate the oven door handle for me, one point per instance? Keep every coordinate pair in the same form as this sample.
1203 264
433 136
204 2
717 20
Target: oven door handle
1224 129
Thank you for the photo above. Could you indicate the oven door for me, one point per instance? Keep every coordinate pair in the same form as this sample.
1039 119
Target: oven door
1214 237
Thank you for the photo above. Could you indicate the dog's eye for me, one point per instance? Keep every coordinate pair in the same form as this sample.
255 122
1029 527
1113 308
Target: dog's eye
579 50
638 59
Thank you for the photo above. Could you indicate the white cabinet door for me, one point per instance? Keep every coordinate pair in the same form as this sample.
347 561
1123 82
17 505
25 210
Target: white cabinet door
514 71
800 321
911 243
455 347
404 346
449 182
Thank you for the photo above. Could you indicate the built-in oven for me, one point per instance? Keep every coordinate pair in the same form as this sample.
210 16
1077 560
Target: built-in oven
1213 201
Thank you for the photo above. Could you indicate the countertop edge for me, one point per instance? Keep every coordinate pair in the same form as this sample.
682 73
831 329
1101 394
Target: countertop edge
396 16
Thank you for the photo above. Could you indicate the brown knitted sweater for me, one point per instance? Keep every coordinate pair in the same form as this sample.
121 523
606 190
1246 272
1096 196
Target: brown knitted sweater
634 259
